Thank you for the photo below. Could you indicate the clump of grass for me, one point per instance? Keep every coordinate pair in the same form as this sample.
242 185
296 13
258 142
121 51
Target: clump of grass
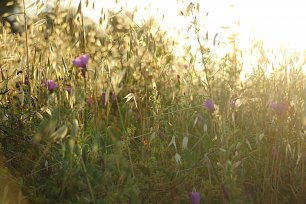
137 124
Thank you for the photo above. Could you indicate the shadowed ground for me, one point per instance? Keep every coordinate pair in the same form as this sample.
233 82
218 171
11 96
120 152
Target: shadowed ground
10 192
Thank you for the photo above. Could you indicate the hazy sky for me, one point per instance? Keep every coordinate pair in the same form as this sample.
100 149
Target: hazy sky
275 21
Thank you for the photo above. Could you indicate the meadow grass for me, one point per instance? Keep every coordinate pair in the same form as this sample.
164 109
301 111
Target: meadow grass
137 124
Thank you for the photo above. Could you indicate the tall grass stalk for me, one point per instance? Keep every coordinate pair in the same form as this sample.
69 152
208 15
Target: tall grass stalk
27 76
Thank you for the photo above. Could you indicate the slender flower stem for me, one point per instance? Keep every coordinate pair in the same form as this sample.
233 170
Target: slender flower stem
85 109
83 32
83 44
26 37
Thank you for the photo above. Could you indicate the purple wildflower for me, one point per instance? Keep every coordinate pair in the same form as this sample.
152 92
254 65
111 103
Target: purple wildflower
81 61
51 85
209 104
279 107
274 105
195 197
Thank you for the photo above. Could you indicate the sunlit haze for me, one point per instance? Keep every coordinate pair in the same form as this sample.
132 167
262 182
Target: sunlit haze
278 23
275 21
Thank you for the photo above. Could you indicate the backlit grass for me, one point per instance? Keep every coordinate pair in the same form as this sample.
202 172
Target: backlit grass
116 117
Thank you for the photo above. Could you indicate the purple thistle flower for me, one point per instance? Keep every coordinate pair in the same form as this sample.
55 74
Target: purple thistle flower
209 104
51 85
81 61
195 197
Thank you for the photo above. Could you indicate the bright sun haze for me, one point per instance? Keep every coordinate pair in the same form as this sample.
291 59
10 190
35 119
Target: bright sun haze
278 23
275 21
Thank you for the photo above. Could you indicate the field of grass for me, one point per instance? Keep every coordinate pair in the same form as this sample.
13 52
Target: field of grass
116 117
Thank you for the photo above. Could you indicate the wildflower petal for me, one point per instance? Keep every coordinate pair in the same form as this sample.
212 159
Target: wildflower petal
209 104
51 85
195 197
81 61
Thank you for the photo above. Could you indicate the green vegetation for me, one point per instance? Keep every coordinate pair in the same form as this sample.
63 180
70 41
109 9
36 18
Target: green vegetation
137 124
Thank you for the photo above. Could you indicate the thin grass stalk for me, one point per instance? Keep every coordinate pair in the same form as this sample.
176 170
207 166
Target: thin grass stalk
83 47
27 77
88 182
125 134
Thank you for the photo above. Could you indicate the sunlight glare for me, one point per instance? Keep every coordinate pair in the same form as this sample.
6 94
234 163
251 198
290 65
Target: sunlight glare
278 23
